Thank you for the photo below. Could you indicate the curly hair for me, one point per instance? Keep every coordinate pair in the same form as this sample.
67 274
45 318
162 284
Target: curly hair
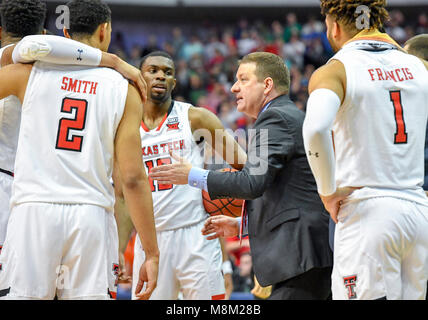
21 18
346 11
87 15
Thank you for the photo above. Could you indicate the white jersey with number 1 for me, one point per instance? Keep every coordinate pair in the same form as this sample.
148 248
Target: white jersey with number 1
379 132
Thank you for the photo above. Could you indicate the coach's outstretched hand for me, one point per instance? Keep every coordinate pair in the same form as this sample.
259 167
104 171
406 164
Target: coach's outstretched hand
175 173
220 226
148 274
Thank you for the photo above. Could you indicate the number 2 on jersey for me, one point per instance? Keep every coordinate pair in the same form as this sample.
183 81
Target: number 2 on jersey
74 143
400 134
159 162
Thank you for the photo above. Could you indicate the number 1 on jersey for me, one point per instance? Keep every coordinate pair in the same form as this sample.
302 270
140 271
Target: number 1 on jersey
400 134
159 162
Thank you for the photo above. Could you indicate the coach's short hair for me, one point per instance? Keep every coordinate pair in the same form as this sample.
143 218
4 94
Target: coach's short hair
418 46
87 15
270 65
156 54
21 18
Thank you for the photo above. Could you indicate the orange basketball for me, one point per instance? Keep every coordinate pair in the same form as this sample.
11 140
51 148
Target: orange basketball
229 206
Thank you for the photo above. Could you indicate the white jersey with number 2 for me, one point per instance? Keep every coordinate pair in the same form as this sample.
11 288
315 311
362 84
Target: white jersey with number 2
70 115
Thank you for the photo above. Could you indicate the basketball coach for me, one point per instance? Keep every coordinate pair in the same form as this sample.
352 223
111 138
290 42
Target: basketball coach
287 223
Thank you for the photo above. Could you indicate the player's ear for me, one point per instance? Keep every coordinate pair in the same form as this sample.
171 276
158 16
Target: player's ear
0 32
336 29
44 32
174 84
66 34
103 31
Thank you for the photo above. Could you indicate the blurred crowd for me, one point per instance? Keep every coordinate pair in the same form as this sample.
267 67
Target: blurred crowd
207 59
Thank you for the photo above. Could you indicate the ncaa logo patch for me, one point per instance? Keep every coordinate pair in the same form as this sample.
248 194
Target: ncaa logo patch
350 283
173 123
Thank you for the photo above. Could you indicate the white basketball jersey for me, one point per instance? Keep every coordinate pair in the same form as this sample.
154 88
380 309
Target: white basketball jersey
175 206
70 115
379 131
10 117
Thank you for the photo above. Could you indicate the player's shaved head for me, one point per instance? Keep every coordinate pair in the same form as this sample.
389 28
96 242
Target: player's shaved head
21 18
86 16
418 46
156 54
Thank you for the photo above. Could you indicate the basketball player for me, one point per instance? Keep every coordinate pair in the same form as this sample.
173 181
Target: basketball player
418 46
19 18
58 239
374 97
189 262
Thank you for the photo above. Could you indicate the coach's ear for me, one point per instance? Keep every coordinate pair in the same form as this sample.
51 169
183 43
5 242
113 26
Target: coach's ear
66 34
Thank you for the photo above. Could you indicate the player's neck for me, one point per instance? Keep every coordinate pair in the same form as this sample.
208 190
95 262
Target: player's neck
90 41
154 113
7 40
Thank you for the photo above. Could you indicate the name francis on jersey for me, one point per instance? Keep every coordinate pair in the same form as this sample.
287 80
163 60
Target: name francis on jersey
79 86
163 148
397 75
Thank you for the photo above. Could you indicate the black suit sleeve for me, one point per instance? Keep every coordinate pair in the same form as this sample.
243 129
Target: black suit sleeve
272 143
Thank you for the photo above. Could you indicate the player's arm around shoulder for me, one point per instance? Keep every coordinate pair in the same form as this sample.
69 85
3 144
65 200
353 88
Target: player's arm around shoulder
136 188
14 79
206 124
330 76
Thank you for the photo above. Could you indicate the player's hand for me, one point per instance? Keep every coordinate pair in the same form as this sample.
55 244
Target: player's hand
127 71
122 277
333 202
131 73
220 226
149 276
175 173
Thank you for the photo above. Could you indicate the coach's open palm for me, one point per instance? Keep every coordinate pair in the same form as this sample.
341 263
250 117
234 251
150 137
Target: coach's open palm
149 275
220 226
176 173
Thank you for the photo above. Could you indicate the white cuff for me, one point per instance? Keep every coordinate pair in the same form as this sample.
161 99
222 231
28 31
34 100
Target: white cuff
227 267
55 49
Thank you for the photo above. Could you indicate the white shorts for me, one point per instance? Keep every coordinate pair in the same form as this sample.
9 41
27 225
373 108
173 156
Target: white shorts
188 263
381 250
5 193
57 249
